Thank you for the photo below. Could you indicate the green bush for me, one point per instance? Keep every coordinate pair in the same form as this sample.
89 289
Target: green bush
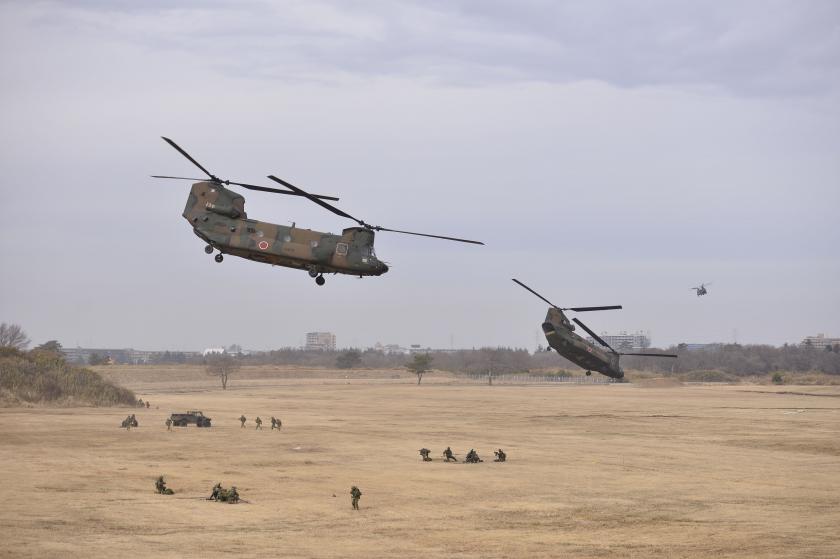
778 378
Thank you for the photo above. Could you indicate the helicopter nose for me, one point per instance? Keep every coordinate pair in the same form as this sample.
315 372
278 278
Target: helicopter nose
383 268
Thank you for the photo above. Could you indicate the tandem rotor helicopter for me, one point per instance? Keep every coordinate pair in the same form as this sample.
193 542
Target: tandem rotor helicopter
559 333
217 215
702 289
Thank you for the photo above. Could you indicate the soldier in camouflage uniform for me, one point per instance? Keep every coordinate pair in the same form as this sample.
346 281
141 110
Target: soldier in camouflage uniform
258 421
500 456
168 423
424 452
242 420
355 495
472 457
217 490
447 454
160 487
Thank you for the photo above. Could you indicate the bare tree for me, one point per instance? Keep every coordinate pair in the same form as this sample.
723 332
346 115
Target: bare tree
221 366
12 335
422 363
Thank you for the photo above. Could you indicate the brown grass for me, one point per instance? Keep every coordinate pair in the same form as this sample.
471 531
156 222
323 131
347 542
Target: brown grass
594 471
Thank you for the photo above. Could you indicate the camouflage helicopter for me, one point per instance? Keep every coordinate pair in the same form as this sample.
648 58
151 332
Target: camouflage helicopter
217 215
702 289
559 333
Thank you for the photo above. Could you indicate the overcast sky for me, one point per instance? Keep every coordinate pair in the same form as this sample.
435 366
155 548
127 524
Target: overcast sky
605 152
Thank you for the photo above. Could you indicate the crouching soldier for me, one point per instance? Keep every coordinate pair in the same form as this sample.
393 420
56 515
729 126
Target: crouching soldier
447 454
217 491
160 487
424 452
500 456
472 457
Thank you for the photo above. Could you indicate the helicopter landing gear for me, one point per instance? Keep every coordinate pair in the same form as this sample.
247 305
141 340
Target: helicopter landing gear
588 373
320 280
208 249
313 273
218 258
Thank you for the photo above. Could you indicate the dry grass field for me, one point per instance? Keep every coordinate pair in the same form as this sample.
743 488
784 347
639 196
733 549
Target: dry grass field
594 471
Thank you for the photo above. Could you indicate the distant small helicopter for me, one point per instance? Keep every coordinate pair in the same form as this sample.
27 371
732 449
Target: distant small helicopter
702 289
559 333
217 215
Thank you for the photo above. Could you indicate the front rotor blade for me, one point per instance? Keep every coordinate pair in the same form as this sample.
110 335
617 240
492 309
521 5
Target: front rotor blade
321 203
378 228
651 354
534 292
585 309
188 156
593 334
179 178
277 191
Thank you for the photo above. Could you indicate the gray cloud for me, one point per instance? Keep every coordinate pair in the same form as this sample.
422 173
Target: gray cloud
752 47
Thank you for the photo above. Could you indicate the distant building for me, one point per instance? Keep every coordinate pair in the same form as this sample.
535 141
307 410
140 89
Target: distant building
624 341
122 355
819 341
213 351
320 341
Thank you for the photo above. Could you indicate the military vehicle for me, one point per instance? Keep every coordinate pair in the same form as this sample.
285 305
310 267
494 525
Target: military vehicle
184 419
217 216
702 289
560 334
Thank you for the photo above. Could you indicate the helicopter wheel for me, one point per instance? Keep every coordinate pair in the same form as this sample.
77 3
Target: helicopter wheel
208 249
219 257
320 280
313 273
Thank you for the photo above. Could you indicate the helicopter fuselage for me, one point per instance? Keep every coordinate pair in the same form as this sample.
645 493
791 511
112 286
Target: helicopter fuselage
559 332
217 215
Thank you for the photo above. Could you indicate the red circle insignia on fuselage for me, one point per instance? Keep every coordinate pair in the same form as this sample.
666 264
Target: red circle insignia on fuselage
263 245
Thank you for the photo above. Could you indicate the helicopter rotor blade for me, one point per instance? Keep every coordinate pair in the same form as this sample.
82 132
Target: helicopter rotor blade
594 335
652 354
277 190
535 293
188 156
178 178
378 228
586 309
321 203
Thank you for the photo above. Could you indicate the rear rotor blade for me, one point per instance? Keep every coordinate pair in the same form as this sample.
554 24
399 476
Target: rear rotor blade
188 156
534 292
651 354
321 203
585 309
593 334
378 228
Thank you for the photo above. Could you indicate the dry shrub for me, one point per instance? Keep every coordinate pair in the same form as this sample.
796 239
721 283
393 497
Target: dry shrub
44 377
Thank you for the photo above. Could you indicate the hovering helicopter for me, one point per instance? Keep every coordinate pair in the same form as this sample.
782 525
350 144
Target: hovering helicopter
702 289
559 333
217 215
